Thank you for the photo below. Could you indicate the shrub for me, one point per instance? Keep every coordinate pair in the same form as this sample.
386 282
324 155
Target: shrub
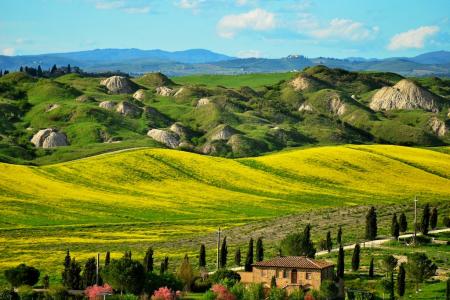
297 294
8 294
57 292
97 290
201 285
446 221
155 281
164 293
238 290
222 274
22 275
125 275
209 295
277 294
25 292
222 293
255 292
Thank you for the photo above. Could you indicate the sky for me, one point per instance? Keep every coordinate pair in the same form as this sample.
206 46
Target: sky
243 28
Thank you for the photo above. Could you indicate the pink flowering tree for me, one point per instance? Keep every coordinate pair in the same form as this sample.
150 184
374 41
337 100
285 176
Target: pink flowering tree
222 293
97 291
164 293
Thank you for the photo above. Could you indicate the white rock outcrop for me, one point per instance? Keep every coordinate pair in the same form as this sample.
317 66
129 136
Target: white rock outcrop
404 95
52 107
49 138
337 106
127 109
179 92
222 132
139 95
438 126
301 83
203 101
170 139
119 85
107 105
179 129
305 107
164 91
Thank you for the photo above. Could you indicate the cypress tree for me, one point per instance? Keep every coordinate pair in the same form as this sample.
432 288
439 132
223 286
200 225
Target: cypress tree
329 242
447 293
148 260
166 263
395 227
371 224
39 71
339 235
307 245
5 72
249 258
434 218
223 253
371 269
54 69
259 250
20 70
107 258
391 288
340 263
161 269
425 220
66 264
355 257
73 279
46 282
401 280
237 257
202 256
90 272
273 282
403 223
69 69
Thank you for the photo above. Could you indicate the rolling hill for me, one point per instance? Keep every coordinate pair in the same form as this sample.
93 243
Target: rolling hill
174 200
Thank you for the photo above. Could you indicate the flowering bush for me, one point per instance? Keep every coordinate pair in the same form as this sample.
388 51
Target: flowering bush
222 292
95 291
164 293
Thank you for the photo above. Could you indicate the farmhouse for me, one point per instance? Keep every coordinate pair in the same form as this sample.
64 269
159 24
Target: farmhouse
290 272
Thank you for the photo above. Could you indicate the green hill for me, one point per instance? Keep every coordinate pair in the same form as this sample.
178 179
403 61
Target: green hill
269 112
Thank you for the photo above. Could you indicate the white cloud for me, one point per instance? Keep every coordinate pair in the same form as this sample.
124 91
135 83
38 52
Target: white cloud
8 51
137 10
414 38
345 29
257 19
241 2
249 53
109 5
189 4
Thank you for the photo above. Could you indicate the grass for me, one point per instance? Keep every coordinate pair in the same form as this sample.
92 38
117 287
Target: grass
134 199
254 81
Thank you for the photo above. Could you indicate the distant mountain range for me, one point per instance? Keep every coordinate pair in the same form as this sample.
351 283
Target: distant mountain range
201 61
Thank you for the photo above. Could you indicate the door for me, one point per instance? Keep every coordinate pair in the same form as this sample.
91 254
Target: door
294 276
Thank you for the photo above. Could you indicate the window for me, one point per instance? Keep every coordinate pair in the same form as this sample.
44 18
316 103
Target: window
285 274
308 276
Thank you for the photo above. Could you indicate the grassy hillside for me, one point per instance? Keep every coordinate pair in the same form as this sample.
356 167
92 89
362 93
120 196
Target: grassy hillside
254 81
133 199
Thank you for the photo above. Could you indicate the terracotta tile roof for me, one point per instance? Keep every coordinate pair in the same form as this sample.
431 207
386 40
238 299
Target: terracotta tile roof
301 262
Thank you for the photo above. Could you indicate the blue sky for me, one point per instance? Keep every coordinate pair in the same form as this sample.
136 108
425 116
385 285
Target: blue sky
267 28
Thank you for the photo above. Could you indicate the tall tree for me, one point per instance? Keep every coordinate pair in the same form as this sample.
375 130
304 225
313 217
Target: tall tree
425 220
90 272
388 263
371 224
299 244
54 69
447 293
419 268
403 222
395 227
66 264
46 282
20 70
39 71
202 256
223 253
371 268
125 275
340 263
73 277
161 269
148 260
186 273
237 257
249 258
329 242
166 263
401 280
69 69
259 250
434 218
107 258
339 236
355 257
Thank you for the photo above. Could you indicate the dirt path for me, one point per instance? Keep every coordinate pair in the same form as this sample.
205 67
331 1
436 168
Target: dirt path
377 243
